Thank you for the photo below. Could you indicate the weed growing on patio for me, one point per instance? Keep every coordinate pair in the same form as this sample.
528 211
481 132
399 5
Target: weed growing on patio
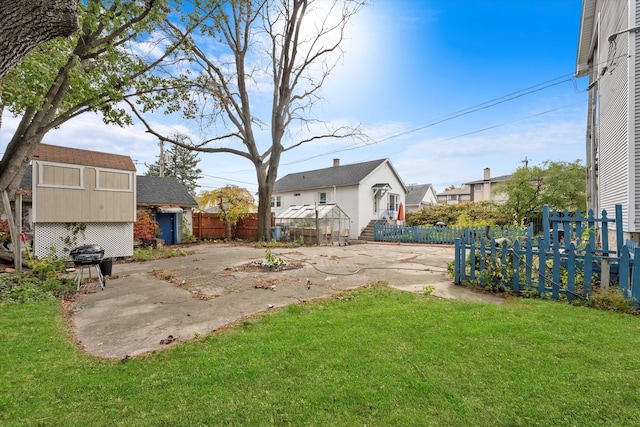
149 254
271 260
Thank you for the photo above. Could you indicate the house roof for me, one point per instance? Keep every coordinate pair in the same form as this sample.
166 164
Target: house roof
585 37
338 176
492 180
416 194
459 191
157 190
76 156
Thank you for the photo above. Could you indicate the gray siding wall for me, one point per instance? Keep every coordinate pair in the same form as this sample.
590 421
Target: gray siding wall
613 90
635 110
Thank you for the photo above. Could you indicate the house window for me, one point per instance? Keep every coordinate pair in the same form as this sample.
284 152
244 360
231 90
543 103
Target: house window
393 202
452 197
323 198
477 187
276 201
296 194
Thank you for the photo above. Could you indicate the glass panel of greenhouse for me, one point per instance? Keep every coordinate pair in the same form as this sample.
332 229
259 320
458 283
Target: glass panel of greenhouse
324 224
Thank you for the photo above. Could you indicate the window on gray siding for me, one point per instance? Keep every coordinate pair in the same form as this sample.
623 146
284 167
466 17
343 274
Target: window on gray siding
323 198
276 201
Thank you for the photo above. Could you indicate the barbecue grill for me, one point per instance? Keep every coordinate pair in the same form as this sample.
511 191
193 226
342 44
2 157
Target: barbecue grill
86 256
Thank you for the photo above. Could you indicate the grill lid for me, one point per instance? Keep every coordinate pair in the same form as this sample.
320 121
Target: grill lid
87 254
87 249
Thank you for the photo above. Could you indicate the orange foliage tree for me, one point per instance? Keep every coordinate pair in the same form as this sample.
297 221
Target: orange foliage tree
145 226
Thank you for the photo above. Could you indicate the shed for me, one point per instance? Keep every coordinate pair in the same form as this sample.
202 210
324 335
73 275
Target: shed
324 224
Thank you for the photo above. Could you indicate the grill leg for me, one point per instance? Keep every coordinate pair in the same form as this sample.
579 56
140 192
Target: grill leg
100 277
80 273
79 277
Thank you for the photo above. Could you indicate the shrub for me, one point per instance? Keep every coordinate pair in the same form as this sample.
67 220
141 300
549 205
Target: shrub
464 214
145 226
42 282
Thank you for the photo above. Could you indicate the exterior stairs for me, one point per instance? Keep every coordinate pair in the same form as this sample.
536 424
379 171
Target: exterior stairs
367 234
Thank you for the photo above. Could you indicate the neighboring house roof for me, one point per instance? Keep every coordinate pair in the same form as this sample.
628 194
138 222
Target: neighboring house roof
27 178
416 194
491 180
459 191
156 190
75 156
338 176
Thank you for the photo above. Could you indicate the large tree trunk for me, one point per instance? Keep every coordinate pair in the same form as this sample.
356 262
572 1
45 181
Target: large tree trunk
264 206
18 154
25 24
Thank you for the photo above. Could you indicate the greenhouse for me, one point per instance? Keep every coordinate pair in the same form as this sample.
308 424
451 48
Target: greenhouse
324 224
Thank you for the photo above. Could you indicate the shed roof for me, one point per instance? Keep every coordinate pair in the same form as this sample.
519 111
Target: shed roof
338 176
162 190
76 156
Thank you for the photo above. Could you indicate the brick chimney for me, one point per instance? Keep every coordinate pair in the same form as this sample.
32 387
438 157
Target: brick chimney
336 162
487 174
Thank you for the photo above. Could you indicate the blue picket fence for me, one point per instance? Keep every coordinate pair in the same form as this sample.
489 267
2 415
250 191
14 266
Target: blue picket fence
445 235
565 260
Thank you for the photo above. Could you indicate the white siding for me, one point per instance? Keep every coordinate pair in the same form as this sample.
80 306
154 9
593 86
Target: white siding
634 217
383 174
613 89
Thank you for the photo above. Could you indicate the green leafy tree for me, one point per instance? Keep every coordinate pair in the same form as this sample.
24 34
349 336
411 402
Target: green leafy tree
99 65
180 163
264 76
561 185
91 71
232 202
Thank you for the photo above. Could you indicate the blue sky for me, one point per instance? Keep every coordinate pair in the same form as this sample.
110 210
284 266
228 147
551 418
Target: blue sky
503 67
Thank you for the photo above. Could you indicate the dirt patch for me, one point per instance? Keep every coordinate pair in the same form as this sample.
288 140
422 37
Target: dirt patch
254 267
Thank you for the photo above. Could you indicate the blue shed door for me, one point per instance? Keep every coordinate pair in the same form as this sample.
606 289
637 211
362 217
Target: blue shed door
167 224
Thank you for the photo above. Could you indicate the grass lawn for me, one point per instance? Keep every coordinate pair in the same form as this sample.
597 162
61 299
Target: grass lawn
371 357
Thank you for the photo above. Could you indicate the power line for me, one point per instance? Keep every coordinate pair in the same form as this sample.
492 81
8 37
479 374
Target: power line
474 109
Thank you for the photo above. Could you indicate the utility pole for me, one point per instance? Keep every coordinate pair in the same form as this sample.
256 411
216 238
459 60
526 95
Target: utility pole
161 158
525 161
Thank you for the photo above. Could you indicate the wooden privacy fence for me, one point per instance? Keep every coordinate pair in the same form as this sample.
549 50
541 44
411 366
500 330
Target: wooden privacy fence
445 235
210 226
565 261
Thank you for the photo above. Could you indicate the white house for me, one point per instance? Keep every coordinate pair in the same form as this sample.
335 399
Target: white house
609 54
364 191
420 196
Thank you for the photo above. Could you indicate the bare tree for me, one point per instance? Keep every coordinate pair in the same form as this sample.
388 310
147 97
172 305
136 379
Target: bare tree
289 45
26 24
